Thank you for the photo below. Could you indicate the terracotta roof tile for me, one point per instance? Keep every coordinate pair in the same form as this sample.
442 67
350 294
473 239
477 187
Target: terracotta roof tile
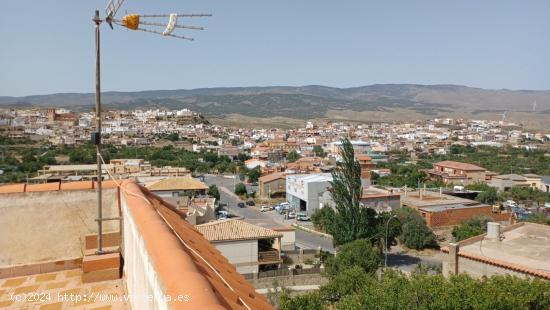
12 188
42 187
272 176
77 185
235 230
207 273
184 183
459 165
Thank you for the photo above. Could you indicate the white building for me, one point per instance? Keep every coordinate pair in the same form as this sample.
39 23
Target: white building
303 190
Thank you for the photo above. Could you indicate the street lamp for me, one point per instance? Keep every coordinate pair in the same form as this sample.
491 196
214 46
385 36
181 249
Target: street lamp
146 23
386 239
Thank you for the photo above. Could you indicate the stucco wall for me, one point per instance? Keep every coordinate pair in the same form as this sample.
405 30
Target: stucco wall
292 280
478 269
37 227
243 254
142 281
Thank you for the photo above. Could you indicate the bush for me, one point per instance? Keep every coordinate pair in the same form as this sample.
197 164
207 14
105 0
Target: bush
240 189
415 234
489 196
471 228
214 192
358 253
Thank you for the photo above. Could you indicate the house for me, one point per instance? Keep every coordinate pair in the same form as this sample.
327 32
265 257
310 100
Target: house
380 200
304 190
440 210
197 210
273 184
304 165
288 241
505 182
457 173
245 245
454 214
174 187
518 250
366 167
255 162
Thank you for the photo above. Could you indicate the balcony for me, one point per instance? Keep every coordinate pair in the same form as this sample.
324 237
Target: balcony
271 256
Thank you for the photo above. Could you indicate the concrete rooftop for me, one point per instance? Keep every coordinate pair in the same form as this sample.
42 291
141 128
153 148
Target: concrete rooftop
527 245
412 199
55 290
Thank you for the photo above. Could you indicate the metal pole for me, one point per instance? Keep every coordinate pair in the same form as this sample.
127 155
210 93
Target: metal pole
97 22
386 241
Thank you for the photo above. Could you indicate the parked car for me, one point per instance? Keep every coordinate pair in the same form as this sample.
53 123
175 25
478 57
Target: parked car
264 208
222 215
303 217
510 203
282 209
250 202
291 215
241 205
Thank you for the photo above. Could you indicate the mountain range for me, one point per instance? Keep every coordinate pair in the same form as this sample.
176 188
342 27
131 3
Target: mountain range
380 102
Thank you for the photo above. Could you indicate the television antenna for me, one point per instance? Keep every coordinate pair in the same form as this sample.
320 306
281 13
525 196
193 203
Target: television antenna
146 23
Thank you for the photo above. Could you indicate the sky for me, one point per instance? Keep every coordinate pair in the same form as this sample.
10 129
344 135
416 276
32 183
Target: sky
47 46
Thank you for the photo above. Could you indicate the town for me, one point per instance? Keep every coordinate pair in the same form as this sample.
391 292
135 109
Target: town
266 197
262 155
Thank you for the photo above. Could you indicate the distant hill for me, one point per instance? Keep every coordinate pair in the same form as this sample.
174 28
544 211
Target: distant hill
365 103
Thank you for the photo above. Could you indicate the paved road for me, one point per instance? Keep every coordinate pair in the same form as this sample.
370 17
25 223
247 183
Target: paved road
226 186
306 240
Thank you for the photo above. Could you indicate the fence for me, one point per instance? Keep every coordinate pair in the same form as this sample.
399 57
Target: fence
281 273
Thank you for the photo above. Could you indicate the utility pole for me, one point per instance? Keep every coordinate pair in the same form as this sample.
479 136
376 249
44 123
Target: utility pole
97 135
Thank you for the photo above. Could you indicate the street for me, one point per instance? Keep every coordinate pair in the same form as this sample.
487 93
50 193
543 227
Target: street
306 240
225 184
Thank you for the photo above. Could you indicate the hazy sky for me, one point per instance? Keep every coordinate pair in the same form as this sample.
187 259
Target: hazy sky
47 46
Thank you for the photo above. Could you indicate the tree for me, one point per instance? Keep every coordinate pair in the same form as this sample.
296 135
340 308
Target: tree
254 174
358 253
471 228
240 189
309 301
351 220
489 196
395 290
323 218
539 218
293 156
214 192
173 137
318 151
350 281
415 234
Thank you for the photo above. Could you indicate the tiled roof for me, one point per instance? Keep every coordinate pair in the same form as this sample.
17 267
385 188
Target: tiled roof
226 230
185 261
272 176
183 183
459 165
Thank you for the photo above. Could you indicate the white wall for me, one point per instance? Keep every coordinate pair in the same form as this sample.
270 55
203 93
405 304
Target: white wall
288 241
142 282
243 254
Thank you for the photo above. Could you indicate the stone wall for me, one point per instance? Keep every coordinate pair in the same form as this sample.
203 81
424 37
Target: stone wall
291 280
